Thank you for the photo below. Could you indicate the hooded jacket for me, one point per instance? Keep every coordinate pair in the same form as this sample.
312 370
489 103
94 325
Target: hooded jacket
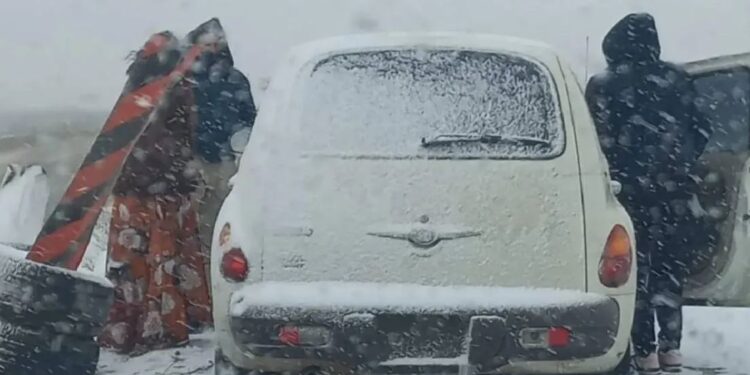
224 104
649 128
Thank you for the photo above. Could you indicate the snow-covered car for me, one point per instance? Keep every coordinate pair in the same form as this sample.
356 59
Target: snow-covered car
420 203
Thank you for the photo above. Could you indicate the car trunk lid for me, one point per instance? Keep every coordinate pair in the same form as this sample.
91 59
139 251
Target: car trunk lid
431 222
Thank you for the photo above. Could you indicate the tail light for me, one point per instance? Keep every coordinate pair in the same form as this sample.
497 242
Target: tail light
545 338
303 336
617 259
289 336
234 265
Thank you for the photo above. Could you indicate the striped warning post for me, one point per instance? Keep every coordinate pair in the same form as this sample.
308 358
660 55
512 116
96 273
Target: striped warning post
159 66
50 315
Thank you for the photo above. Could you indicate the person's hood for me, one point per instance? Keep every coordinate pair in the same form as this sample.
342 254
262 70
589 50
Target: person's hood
633 39
213 33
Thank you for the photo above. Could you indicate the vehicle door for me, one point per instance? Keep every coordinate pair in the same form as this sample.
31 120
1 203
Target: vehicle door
719 260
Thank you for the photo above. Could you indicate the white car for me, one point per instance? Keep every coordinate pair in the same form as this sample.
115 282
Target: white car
423 203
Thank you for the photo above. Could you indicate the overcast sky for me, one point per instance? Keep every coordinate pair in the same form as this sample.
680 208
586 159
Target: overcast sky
67 53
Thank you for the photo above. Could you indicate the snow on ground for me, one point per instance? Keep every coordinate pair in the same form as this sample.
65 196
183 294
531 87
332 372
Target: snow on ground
717 337
11 252
195 359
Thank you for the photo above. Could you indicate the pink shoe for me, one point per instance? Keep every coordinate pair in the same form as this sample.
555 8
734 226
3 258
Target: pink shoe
670 361
648 364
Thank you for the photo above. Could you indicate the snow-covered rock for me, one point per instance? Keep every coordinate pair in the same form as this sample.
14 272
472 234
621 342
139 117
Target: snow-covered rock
23 200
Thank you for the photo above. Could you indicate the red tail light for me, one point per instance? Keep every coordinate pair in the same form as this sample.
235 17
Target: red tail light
558 337
545 338
234 265
617 259
289 336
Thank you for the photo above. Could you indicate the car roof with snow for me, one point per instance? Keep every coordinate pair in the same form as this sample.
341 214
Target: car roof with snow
318 49
718 63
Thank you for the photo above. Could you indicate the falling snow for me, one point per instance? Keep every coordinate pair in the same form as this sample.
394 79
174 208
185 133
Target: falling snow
716 338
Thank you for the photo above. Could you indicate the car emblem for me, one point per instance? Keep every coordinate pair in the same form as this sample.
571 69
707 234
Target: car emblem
425 237
294 262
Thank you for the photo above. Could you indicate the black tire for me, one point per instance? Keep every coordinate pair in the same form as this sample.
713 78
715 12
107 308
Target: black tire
625 367
43 352
36 294
49 318
222 366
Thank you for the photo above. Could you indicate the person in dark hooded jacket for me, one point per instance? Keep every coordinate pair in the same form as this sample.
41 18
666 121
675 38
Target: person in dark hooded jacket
652 136
225 109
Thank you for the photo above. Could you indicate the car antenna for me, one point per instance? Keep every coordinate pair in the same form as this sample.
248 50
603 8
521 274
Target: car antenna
586 64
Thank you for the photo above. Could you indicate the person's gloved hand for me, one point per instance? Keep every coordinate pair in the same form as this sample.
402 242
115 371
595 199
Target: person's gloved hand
239 140
710 212
696 208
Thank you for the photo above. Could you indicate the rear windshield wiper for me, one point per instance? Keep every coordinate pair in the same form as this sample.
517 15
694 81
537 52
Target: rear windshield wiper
447 139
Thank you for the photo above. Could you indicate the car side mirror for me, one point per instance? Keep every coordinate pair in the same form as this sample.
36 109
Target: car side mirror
615 187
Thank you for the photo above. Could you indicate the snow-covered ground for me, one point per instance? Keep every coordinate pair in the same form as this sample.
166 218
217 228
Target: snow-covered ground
716 337
196 358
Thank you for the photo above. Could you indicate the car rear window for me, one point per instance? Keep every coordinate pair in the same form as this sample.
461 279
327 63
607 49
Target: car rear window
389 102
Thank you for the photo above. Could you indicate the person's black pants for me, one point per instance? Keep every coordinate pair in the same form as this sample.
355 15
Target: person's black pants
663 238
659 293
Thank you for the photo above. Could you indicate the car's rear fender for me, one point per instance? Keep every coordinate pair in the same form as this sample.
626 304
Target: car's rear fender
602 210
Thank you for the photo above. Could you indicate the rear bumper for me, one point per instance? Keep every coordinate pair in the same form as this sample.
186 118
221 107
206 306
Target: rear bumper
393 340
